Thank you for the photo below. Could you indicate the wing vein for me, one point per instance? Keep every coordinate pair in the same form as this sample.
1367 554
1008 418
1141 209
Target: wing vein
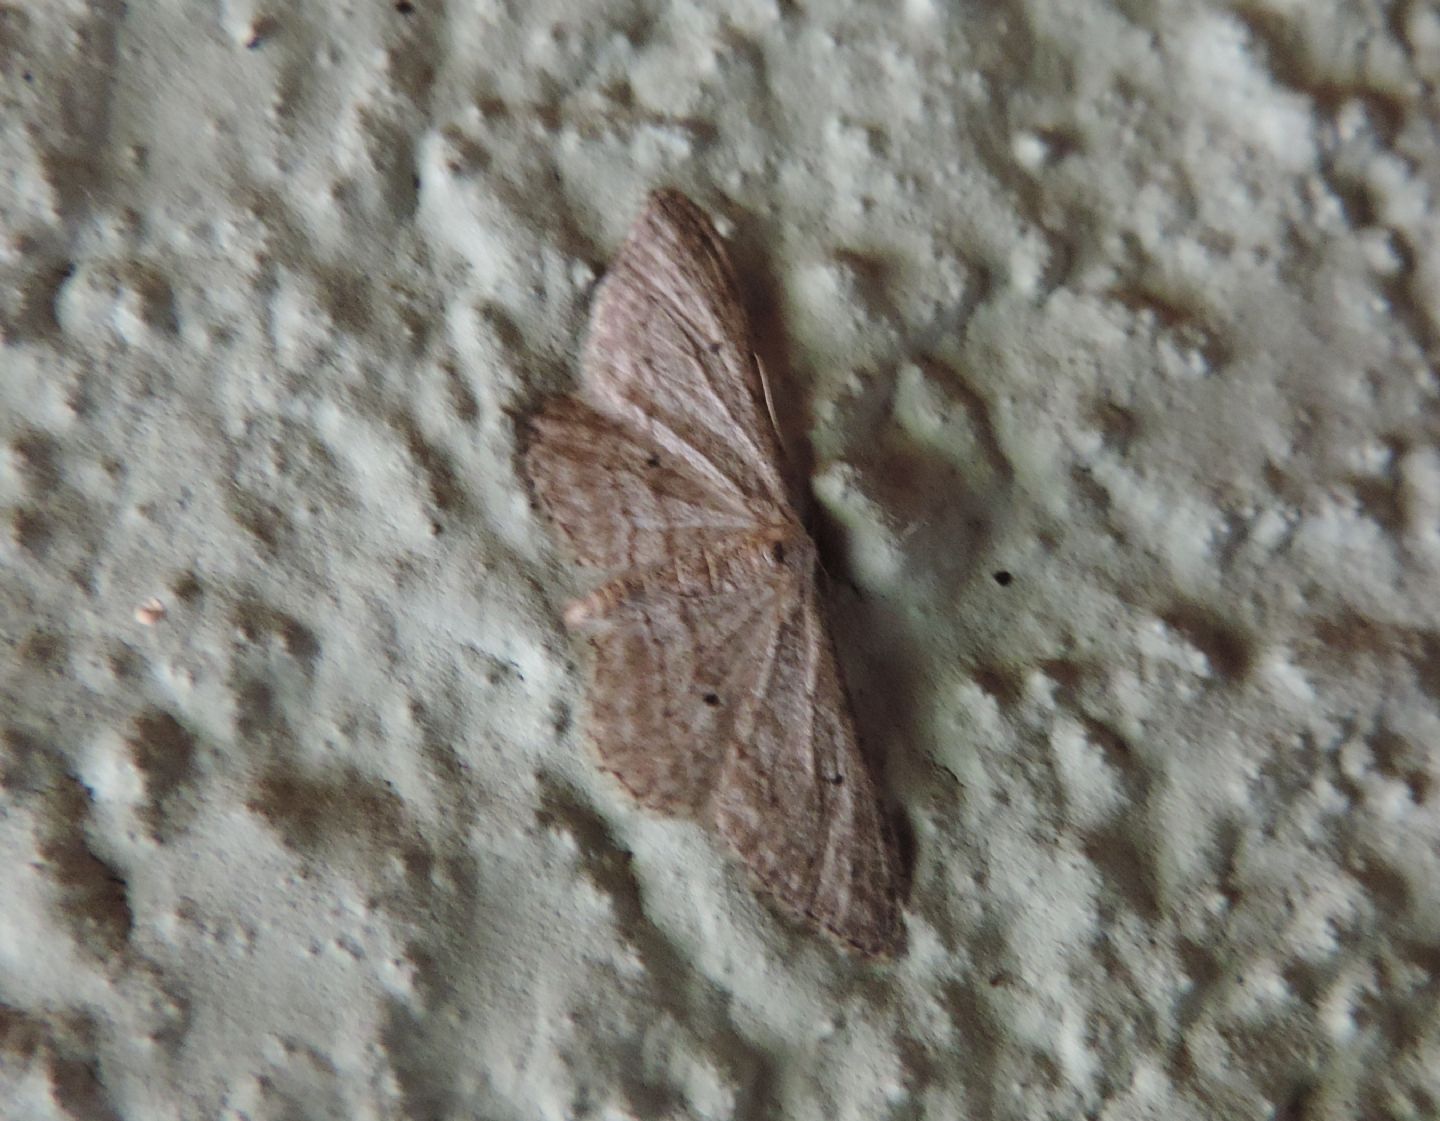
691 333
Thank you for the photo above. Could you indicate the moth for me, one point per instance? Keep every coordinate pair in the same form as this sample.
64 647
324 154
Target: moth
714 692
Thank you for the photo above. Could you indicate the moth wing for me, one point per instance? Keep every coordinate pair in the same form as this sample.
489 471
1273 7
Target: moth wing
669 675
669 350
620 501
796 800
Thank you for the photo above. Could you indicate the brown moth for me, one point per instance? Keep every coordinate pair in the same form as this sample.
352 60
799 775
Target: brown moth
714 690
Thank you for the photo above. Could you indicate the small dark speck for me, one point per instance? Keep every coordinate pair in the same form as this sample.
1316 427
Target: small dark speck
261 30
1003 578
778 552
835 780
713 348
711 699
404 7
653 461
29 77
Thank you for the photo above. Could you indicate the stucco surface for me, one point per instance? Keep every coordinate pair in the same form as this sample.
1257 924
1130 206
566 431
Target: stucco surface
1106 336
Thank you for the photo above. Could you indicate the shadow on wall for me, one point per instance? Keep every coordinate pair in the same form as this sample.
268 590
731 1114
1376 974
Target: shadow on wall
928 487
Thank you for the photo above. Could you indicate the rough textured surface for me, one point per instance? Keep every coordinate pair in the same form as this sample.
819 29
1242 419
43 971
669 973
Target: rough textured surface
1110 338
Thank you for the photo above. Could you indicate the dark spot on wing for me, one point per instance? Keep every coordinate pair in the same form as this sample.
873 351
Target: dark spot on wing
711 699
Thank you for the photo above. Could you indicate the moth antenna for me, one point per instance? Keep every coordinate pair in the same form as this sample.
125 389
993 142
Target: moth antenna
769 401
799 492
